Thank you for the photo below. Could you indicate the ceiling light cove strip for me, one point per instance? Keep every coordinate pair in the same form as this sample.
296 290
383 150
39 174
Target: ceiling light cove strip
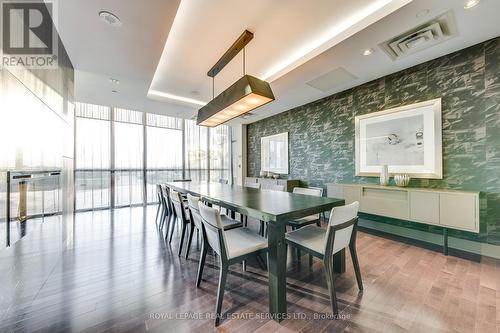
177 98
337 33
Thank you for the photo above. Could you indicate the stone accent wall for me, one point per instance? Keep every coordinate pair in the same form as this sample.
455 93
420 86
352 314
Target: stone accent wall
321 133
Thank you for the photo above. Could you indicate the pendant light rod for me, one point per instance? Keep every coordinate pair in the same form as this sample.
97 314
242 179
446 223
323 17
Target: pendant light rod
244 60
237 46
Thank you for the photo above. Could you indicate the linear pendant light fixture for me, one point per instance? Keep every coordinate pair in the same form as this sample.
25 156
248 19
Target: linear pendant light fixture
246 94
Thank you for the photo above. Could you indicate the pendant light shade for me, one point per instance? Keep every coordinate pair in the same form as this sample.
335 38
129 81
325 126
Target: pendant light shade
244 95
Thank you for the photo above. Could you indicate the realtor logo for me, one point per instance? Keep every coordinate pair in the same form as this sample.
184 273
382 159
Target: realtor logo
29 38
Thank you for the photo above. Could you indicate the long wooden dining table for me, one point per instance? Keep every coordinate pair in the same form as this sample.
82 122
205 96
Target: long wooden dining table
274 207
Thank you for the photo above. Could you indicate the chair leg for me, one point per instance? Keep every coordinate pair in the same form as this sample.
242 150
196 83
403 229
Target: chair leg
299 255
183 233
197 239
220 292
201 264
167 220
157 212
170 228
190 239
262 263
297 250
163 217
261 229
172 222
311 260
330 281
355 263
299 259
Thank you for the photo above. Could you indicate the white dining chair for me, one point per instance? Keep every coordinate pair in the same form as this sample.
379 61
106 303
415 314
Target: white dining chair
311 219
181 215
245 218
253 185
194 215
279 188
325 243
232 246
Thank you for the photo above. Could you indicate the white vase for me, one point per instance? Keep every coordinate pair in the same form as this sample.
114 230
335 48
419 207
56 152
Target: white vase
384 175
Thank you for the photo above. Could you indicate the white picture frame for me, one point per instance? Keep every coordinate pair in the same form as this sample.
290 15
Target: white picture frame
408 139
274 153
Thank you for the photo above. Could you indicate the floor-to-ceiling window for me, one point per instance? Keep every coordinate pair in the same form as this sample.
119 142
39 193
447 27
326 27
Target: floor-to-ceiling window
135 150
128 157
197 153
163 151
220 153
92 162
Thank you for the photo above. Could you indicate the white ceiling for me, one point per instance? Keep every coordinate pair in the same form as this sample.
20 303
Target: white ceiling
129 53
167 47
286 34
474 26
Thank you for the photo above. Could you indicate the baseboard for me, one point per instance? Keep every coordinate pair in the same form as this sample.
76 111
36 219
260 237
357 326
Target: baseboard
423 244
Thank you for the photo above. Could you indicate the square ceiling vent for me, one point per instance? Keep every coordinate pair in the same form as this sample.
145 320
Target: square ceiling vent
421 37
331 80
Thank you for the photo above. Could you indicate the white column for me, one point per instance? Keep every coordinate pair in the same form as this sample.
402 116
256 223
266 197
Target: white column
239 152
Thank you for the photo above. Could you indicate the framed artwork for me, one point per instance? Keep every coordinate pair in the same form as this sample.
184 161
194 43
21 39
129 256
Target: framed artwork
407 139
274 153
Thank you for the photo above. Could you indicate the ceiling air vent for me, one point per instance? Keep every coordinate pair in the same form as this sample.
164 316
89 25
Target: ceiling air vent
422 37
332 79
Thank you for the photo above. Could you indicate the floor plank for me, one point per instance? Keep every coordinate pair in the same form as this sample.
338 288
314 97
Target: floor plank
115 273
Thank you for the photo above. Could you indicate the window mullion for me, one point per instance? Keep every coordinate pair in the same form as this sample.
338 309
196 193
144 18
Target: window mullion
112 158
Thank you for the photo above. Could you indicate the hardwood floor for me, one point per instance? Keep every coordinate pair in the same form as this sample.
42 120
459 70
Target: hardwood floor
115 273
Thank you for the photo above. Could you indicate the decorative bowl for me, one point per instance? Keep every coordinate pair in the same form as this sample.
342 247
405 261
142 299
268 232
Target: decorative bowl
402 180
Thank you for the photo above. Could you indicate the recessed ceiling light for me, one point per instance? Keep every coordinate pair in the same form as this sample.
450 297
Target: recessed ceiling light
114 81
471 3
367 52
110 19
114 91
423 12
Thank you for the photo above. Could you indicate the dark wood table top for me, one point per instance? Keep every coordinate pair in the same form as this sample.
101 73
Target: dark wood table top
265 205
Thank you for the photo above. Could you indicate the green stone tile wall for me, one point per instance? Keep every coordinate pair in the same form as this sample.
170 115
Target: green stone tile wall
321 133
